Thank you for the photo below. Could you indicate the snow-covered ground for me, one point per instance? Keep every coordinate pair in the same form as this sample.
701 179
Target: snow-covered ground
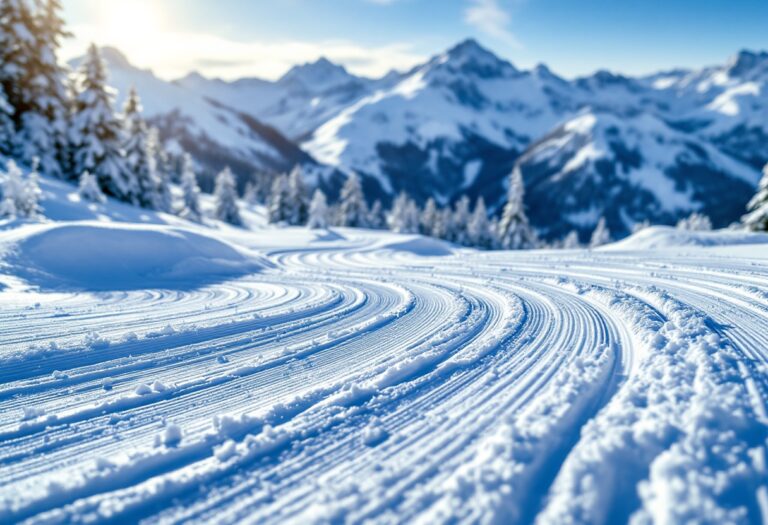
151 369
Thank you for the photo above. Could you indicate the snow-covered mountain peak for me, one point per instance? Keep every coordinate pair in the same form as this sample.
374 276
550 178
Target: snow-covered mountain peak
115 58
473 60
318 76
746 62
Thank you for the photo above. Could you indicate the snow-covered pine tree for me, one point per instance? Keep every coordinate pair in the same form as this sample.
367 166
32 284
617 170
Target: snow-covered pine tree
225 198
443 223
16 49
156 151
190 190
479 227
258 189
297 198
7 129
88 189
640 226
601 235
571 241
318 211
20 195
695 222
428 218
353 211
404 216
756 218
457 230
250 193
138 155
376 219
278 206
515 232
44 123
96 132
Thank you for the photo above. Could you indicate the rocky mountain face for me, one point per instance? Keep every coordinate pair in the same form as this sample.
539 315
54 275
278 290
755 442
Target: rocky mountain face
633 149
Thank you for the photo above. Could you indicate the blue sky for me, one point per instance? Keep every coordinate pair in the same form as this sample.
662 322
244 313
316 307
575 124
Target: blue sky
232 38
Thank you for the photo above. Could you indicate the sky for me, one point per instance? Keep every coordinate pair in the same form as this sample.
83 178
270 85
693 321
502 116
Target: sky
264 38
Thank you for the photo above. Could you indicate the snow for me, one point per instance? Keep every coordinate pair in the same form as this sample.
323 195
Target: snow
172 371
95 256
665 237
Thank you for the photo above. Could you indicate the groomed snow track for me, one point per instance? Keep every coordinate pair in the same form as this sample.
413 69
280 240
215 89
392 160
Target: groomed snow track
359 384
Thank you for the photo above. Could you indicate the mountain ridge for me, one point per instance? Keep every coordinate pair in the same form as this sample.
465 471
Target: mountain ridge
459 122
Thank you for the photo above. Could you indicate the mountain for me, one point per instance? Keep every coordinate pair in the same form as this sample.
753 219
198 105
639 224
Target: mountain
726 104
654 147
214 133
459 123
628 169
453 125
298 103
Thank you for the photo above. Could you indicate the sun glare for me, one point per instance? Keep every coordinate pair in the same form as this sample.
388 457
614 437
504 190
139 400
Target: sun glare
131 23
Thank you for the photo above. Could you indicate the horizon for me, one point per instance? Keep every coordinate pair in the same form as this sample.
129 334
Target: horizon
177 38
428 58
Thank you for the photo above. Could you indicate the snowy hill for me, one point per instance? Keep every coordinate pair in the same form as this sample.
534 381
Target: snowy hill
668 238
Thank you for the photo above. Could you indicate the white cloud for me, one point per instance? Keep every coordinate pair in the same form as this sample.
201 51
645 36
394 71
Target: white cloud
173 54
489 17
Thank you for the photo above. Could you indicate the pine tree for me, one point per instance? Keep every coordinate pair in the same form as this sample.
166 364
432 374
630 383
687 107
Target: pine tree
515 232
88 189
318 211
163 196
443 224
17 43
97 133
225 198
191 191
20 195
258 189
479 227
44 123
404 216
601 235
297 198
571 241
428 218
376 219
7 130
250 194
353 210
278 206
138 156
756 218
695 222
640 226
457 230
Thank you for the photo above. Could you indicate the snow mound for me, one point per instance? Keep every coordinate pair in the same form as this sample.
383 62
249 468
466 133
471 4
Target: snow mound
659 237
422 246
98 257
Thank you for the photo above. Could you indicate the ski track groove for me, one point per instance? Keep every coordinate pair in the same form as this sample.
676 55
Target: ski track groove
276 380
